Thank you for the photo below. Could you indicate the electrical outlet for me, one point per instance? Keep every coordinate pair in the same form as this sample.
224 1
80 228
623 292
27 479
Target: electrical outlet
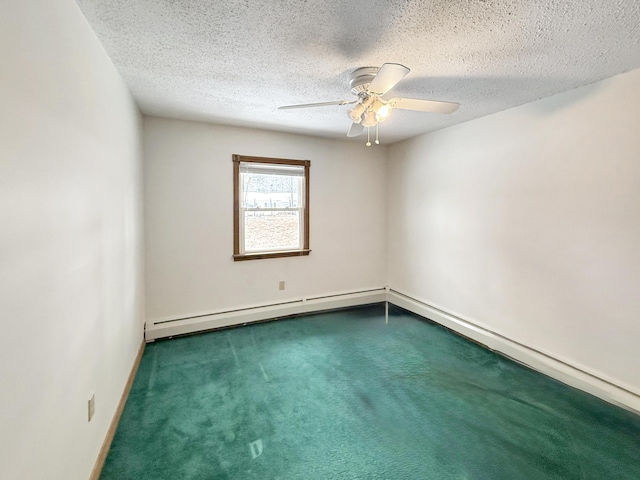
281 285
92 406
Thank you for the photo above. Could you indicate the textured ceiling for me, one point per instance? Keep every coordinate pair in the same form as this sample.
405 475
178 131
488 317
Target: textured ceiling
236 61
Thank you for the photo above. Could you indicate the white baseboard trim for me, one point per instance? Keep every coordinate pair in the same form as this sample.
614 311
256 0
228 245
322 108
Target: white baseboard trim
541 362
241 316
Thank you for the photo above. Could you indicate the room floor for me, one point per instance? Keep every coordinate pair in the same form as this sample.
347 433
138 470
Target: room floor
342 395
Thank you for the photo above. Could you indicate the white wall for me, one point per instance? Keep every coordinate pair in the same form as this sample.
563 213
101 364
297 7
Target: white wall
527 222
189 219
71 309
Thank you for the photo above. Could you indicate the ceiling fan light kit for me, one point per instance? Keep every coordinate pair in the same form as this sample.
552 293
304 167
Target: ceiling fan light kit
369 119
382 110
355 114
369 84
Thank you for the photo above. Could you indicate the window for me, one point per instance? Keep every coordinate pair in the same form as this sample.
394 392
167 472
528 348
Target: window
270 207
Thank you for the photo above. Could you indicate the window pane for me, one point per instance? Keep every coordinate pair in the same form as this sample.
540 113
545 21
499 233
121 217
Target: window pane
270 191
271 230
270 207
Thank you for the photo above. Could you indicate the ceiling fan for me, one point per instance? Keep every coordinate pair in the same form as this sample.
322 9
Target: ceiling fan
369 84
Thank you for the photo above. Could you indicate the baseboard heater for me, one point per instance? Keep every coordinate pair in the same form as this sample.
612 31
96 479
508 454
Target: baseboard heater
567 373
545 363
211 321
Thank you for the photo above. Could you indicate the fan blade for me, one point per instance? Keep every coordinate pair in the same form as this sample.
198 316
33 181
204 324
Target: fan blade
323 104
433 106
355 130
387 78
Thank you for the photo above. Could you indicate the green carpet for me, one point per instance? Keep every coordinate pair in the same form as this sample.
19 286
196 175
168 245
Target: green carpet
342 395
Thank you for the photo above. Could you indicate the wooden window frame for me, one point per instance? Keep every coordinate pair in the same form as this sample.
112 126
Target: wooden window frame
237 256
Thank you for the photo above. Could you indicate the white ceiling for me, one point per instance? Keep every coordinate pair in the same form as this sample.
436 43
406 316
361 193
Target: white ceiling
236 61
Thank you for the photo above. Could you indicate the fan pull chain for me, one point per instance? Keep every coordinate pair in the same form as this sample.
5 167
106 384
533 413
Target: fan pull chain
377 141
368 144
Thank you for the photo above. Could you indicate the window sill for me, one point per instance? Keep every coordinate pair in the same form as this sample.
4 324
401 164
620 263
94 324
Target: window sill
257 256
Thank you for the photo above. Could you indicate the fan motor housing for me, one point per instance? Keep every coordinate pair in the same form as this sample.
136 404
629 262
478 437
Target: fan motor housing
361 78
